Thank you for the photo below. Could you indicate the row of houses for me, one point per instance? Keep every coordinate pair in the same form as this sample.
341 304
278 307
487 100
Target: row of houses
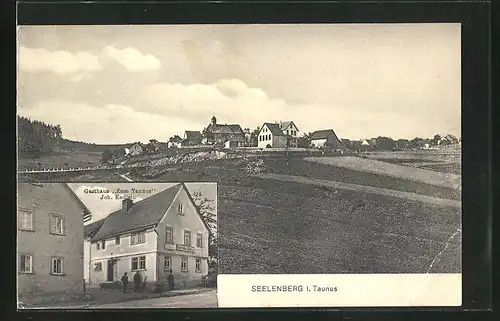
60 247
277 135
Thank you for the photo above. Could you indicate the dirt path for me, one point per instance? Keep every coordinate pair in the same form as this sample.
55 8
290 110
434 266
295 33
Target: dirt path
393 170
362 188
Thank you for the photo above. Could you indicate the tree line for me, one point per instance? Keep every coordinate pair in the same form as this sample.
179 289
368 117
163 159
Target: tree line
35 137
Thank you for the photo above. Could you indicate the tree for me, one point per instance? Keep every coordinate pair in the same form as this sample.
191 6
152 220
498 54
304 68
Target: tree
417 142
304 141
35 137
106 156
248 140
385 143
403 143
436 139
206 208
254 137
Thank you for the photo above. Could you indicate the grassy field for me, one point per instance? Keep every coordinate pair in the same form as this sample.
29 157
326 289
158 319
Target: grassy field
271 226
392 170
61 159
447 160
268 226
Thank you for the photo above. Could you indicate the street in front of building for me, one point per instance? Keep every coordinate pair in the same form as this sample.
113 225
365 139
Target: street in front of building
207 299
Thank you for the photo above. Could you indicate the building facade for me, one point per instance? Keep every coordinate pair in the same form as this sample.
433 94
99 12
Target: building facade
221 133
136 149
161 233
291 131
50 242
278 135
174 142
325 139
191 138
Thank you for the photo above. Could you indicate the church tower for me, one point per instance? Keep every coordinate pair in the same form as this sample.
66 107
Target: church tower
214 121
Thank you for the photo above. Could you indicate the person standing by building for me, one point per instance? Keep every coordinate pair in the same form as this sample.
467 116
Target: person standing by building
124 282
170 280
137 281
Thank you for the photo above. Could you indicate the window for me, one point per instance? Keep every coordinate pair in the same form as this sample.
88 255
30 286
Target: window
168 263
57 265
199 240
169 235
184 264
56 224
287 132
180 209
187 238
26 263
138 263
25 220
198 265
138 238
117 240
98 266
103 245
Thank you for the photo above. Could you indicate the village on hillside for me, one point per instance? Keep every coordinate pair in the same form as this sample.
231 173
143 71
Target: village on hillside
277 135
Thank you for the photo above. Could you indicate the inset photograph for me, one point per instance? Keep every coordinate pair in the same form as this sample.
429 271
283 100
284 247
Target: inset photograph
122 245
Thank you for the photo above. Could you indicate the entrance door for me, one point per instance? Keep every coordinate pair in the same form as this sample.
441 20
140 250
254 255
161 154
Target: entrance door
110 270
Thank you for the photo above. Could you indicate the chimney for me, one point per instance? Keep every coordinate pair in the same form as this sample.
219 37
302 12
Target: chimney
127 204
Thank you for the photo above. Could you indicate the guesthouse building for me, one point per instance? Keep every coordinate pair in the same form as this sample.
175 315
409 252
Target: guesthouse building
160 233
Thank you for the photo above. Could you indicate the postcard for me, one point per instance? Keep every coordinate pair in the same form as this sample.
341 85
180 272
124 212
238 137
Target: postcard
335 151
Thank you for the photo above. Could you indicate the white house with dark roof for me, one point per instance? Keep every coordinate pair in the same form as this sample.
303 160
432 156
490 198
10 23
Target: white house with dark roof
160 233
174 142
278 135
136 149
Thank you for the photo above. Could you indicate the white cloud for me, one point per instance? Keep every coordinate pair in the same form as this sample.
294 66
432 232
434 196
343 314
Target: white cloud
233 101
59 62
230 99
106 124
132 59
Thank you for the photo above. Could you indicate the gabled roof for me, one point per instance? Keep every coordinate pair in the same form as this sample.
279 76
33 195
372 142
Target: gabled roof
90 230
274 129
451 137
77 199
236 129
192 134
285 124
225 129
175 139
145 213
138 144
322 134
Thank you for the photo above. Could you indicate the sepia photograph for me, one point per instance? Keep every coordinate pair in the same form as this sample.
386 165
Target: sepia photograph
336 148
122 245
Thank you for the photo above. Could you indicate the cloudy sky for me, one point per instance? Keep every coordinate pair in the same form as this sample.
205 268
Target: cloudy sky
118 84
100 208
